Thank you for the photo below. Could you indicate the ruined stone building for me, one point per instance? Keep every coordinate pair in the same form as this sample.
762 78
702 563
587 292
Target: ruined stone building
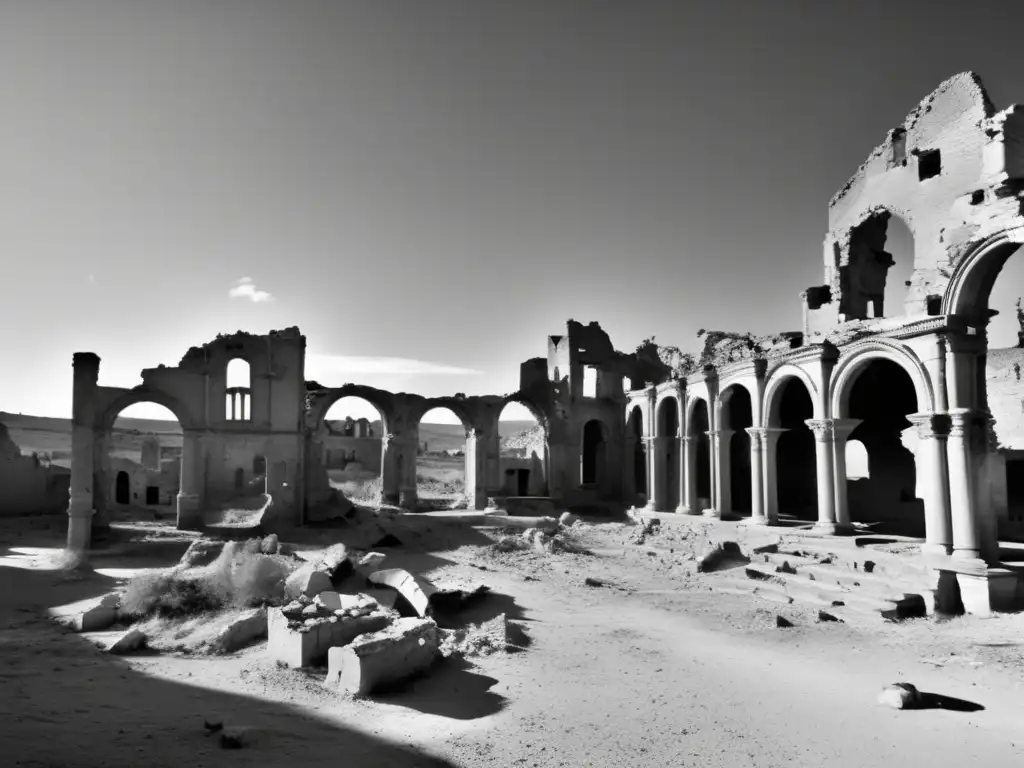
870 414
27 484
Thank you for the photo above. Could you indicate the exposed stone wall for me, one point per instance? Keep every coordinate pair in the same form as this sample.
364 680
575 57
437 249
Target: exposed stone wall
1005 381
26 485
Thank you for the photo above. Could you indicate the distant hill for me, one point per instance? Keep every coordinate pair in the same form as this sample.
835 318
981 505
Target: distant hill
53 436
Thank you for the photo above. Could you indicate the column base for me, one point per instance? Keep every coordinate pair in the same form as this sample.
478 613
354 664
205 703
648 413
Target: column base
935 552
79 531
829 528
408 500
712 512
758 521
986 593
682 509
190 514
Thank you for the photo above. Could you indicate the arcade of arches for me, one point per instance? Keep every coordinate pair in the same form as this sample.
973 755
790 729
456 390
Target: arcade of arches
886 409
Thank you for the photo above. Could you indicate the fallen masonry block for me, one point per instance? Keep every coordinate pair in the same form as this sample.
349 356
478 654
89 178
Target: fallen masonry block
295 638
416 591
370 563
900 696
307 581
101 616
132 640
201 552
407 647
335 562
250 626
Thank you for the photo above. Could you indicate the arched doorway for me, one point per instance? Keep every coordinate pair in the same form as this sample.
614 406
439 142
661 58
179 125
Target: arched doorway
594 452
140 465
737 416
699 425
796 480
350 450
522 452
637 454
667 454
441 458
123 491
882 395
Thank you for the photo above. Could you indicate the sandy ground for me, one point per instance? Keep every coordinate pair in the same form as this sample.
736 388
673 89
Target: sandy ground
651 669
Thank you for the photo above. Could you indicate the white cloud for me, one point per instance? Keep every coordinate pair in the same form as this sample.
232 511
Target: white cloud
244 288
327 365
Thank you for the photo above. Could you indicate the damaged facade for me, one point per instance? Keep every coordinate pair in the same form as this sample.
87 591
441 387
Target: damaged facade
869 414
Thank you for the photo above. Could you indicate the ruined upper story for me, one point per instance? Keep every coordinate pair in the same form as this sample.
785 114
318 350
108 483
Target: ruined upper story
953 172
268 396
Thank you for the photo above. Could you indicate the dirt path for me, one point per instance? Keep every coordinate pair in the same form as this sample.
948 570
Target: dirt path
668 674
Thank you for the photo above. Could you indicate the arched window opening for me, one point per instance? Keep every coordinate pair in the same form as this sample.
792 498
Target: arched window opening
441 471
238 393
123 492
259 465
594 452
353 463
880 266
857 467
522 453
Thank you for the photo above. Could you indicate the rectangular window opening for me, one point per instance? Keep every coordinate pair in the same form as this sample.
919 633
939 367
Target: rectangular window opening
929 164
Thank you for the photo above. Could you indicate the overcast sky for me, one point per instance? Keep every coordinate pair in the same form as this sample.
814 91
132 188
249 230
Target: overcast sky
429 189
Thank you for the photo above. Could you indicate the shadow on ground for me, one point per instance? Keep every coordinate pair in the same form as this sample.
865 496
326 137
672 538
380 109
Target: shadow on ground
450 689
938 701
66 703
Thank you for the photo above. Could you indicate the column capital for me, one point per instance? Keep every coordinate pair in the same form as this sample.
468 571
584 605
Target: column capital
823 429
931 425
757 438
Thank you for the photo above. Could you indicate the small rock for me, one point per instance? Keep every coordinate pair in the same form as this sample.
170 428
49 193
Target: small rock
270 545
592 582
568 519
900 696
236 737
782 621
132 640
825 616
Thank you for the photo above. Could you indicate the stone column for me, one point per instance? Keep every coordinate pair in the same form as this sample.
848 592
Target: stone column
190 512
389 468
655 448
963 516
769 456
722 472
842 428
683 507
408 444
716 507
690 475
476 468
932 431
824 454
83 443
757 438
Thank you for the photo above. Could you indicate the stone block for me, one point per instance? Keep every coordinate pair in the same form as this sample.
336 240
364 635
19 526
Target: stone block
406 648
291 647
299 646
370 563
132 640
250 626
568 519
416 591
99 617
307 581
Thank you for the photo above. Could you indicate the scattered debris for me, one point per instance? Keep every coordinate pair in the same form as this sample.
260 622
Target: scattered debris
305 629
900 696
650 527
478 640
335 562
373 661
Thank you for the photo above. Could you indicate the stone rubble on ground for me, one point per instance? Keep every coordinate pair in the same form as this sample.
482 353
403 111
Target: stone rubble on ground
900 696
407 647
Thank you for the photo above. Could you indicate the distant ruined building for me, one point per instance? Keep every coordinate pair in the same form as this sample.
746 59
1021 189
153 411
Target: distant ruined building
897 415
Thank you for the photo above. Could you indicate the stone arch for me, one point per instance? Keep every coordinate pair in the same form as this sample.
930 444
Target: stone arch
853 361
637 458
736 405
380 399
106 416
968 291
773 389
461 408
691 405
529 472
594 437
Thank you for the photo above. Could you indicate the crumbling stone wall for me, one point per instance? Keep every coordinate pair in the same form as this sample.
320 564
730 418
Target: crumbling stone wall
28 486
